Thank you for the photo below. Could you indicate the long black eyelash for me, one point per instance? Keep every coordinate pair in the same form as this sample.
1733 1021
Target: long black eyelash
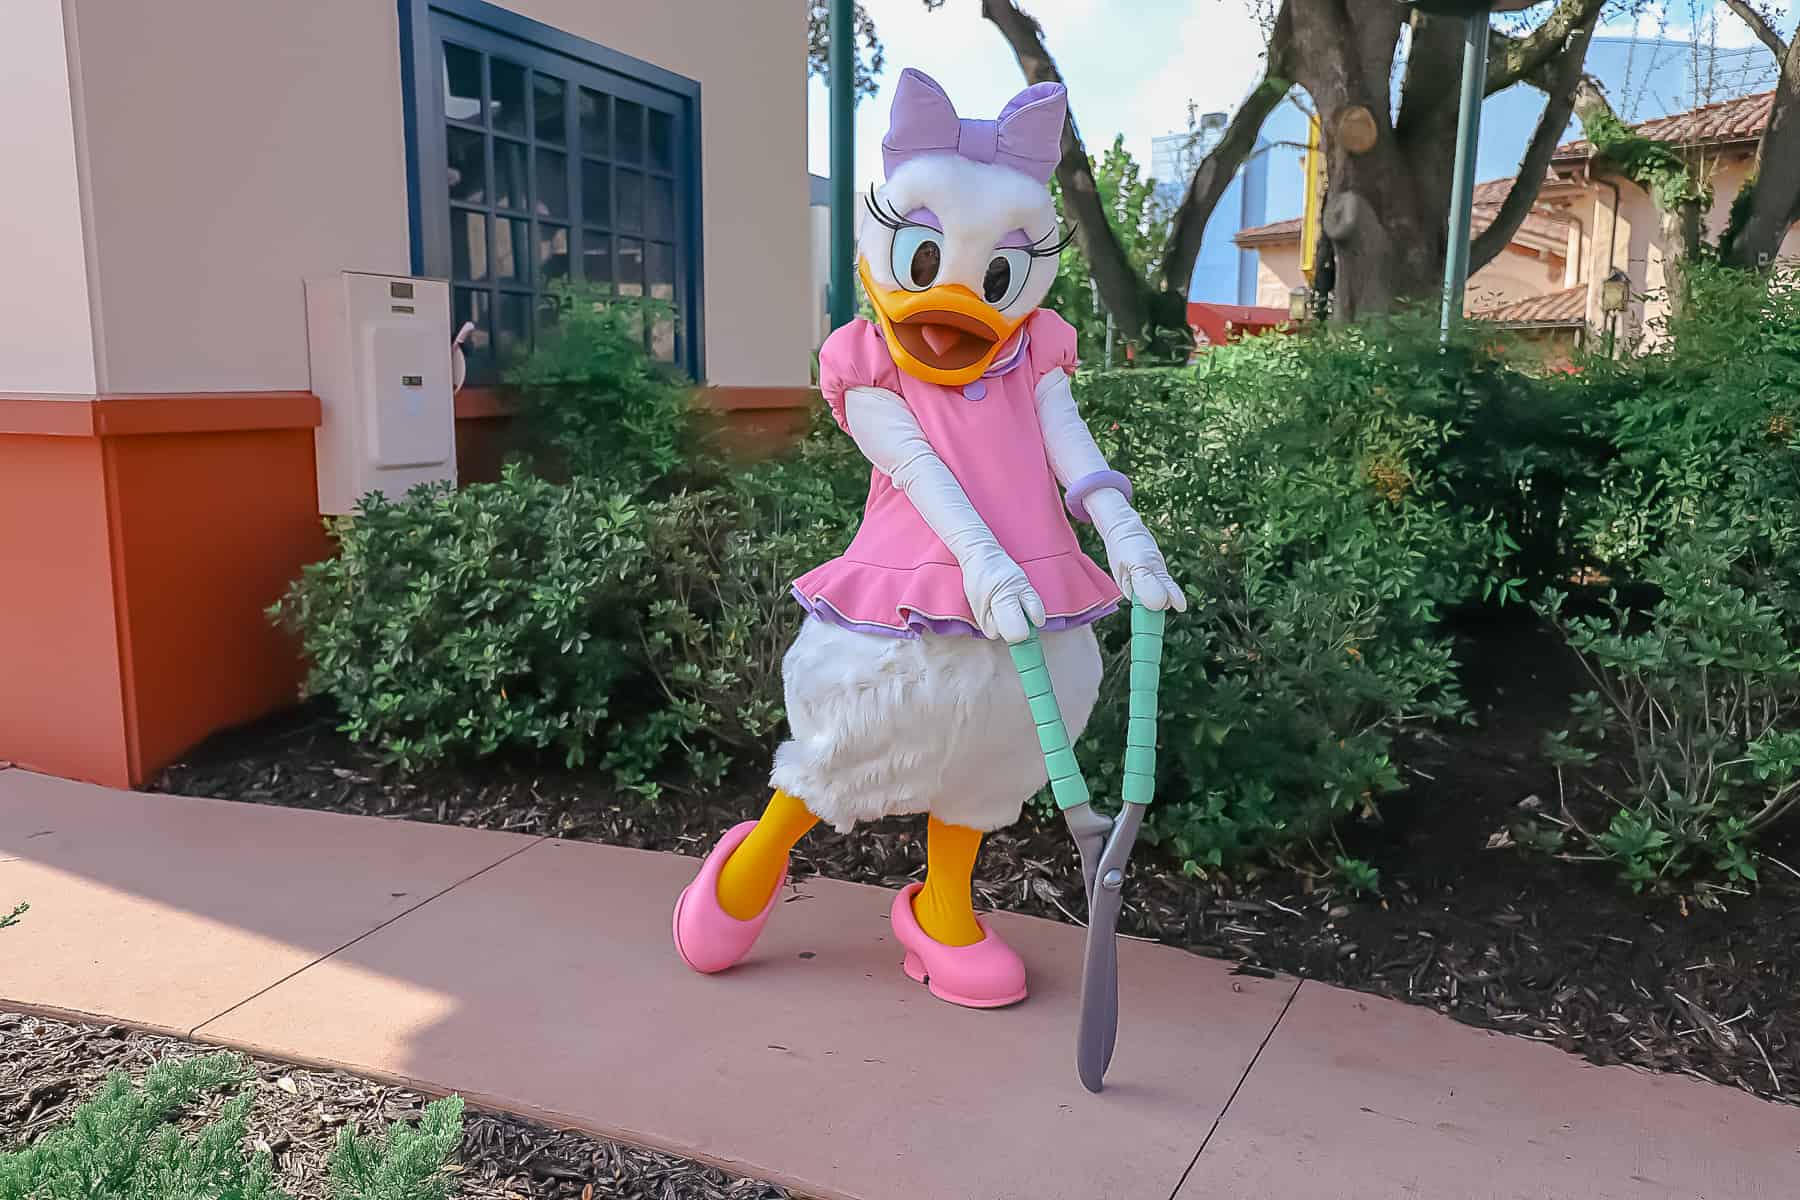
1040 248
886 215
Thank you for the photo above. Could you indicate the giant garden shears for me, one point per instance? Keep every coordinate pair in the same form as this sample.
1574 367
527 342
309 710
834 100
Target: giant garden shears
1105 842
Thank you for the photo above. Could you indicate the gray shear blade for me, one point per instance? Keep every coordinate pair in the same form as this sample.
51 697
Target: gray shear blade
1099 989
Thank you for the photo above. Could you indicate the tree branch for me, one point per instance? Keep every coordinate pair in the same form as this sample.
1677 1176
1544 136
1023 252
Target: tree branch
1512 59
1221 163
1123 291
1759 25
1774 206
1568 87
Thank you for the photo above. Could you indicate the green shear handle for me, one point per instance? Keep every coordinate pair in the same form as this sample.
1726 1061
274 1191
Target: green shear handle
1105 842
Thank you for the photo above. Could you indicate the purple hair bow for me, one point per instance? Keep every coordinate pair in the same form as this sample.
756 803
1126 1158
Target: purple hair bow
1026 137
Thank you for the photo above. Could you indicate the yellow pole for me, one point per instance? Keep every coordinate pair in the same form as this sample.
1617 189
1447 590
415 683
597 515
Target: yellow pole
1315 197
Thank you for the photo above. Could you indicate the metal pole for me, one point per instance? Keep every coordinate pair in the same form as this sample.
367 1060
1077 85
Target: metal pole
1462 187
841 79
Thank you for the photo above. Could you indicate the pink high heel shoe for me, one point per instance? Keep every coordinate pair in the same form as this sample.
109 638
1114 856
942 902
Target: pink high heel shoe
988 974
708 938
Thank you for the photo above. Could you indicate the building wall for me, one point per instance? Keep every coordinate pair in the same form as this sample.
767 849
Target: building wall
1514 275
44 319
235 149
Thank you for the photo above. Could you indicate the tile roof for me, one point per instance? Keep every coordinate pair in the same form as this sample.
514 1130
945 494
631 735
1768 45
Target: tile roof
1721 123
1567 307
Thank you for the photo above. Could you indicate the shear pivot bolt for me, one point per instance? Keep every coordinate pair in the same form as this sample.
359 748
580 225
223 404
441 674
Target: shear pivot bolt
1112 879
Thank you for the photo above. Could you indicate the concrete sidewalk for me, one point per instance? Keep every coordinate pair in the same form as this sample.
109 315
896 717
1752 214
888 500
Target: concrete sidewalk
537 976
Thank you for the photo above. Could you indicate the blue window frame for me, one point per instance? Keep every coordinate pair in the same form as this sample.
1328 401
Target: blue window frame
535 156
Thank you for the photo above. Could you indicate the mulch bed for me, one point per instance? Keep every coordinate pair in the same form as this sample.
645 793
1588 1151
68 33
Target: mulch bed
1495 937
48 1068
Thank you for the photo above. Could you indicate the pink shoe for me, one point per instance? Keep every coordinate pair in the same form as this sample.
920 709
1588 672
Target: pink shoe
707 937
987 974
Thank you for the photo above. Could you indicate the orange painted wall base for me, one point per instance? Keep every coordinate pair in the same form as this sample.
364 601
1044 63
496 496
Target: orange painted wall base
143 538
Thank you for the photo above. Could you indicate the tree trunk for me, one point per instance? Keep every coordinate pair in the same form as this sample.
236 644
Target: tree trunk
1775 203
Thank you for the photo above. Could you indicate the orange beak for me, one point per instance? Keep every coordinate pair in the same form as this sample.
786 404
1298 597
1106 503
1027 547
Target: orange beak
946 335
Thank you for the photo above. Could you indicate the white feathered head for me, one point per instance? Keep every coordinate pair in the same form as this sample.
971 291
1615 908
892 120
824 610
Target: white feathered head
960 244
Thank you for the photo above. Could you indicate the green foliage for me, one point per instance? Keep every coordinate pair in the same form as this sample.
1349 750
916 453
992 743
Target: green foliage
1140 220
461 622
122 1145
591 404
12 918
1696 704
1657 167
1316 499
406 1164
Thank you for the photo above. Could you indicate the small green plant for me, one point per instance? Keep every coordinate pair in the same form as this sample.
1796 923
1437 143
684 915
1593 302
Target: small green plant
1698 707
592 404
122 1145
12 918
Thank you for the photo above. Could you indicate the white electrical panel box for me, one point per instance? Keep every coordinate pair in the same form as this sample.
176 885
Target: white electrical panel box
379 347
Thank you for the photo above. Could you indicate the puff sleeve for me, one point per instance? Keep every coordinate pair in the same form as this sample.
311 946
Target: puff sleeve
854 356
1052 344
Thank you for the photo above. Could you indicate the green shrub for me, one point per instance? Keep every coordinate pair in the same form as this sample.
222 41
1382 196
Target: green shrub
591 404
1696 707
456 623
12 918
121 1145
1313 496
1699 708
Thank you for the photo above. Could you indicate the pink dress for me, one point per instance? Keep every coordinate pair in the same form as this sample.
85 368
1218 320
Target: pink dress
897 578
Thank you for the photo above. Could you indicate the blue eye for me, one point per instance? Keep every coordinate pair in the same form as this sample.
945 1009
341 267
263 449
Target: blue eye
1005 277
918 256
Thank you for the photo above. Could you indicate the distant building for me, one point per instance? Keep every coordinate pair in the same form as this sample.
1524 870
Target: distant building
1224 273
1588 222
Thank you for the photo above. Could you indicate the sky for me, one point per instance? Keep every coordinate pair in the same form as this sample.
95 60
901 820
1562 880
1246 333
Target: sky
1134 76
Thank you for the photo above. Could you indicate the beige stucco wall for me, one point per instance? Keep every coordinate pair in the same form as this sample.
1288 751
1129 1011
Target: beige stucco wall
1508 277
1512 275
46 334
236 148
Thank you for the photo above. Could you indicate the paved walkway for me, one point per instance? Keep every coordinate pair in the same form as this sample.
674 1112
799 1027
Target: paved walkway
537 976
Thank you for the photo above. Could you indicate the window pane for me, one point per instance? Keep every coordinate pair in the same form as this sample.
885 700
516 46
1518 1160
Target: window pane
553 253
597 259
468 165
662 207
509 174
511 239
547 112
512 329
468 244
553 184
472 305
462 83
631 200
628 127
593 110
596 192
547 315
508 83
630 267
662 141
659 267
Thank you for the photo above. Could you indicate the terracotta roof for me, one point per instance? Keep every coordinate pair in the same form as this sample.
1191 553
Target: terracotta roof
1262 235
1721 123
1543 223
1567 307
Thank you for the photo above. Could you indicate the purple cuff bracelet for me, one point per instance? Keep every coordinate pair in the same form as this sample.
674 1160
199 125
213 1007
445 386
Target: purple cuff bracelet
1087 485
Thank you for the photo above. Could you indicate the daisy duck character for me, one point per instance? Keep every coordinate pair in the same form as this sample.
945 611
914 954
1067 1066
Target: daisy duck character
901 693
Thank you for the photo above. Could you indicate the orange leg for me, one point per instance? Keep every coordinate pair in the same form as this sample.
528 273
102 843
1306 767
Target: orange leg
945 906
753 872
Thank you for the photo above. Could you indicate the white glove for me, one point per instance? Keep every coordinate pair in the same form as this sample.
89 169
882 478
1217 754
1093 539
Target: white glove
1137 564
1000 596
